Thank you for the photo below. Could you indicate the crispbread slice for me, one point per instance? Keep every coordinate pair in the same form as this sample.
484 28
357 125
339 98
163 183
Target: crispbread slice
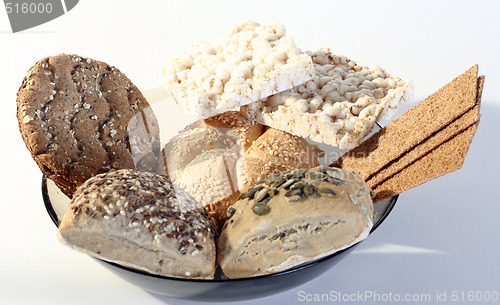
414 126
457 126
250 62
444 159
339 106
448 132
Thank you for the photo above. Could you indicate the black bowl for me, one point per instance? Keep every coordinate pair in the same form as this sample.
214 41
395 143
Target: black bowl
220 288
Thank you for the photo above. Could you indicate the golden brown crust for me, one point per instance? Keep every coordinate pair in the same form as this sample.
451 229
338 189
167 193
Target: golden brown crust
276 151
248 130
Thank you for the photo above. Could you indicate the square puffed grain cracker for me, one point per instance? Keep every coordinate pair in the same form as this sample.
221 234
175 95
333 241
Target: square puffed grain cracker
248 63
338 107
414 126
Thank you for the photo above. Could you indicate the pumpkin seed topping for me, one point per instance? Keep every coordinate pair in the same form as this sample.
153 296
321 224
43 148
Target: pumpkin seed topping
261 181
261 195
230 212
288 183
260 208
335 180
278 182
326 192
317 176
309 190
251 193
296 185
299 173
335 174
295 194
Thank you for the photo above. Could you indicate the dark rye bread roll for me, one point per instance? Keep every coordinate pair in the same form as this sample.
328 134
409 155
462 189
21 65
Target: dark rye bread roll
293 218
80 117
141 220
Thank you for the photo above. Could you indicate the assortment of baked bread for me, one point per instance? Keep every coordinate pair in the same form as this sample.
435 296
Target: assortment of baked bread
240 187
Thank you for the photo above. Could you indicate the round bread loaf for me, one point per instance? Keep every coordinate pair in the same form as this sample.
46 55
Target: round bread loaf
207 159
80 117
143 221
292 218
216 159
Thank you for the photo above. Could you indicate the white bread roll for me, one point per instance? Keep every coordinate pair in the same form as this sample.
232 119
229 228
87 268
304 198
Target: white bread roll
207 159
216 159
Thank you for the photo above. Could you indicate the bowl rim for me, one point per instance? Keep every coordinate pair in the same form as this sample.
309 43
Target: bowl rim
55 220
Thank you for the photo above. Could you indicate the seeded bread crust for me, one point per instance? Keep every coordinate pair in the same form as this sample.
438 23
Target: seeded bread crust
80 117
143 221
277 225
276 151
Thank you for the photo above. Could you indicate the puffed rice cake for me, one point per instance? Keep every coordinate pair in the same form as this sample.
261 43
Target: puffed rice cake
250 62
338 107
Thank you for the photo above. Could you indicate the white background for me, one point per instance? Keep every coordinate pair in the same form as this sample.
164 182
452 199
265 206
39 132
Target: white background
441 236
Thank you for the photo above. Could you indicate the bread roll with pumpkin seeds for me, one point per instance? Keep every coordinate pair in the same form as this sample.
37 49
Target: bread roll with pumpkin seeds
292 218
143 221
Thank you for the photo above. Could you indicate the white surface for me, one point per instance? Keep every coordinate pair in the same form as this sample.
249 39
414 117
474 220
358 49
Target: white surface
441 237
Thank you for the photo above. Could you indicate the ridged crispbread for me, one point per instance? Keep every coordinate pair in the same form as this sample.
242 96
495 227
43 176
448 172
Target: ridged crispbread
414 126
423 143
